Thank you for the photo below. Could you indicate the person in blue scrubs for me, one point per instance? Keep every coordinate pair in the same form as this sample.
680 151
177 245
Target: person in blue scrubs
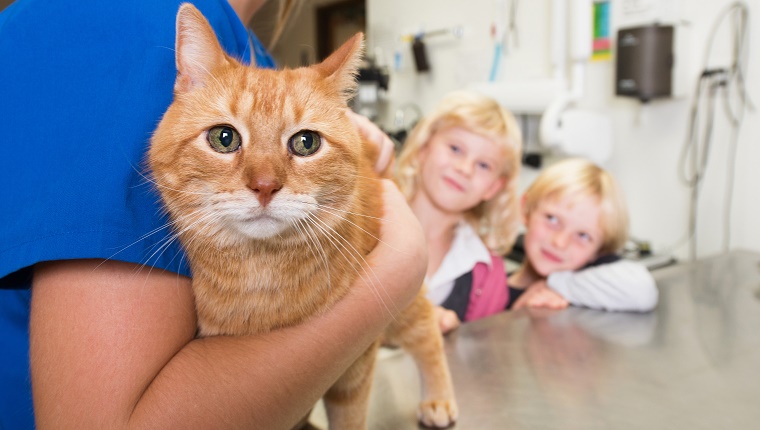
96 310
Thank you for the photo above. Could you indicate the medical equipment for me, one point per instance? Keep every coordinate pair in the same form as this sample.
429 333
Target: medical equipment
373 83
563 126
504 31
727 82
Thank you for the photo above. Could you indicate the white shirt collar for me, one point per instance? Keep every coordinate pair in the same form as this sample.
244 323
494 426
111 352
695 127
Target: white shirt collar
467 249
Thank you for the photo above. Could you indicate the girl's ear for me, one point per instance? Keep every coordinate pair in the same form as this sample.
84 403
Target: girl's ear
495 188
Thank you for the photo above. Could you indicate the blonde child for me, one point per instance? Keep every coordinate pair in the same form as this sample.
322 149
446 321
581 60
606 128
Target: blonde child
576 223
458 170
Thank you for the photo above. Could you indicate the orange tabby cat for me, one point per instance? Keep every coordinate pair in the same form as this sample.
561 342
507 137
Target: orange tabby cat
273 195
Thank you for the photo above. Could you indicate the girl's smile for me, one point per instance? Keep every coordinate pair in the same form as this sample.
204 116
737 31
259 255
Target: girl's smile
551 256
454 184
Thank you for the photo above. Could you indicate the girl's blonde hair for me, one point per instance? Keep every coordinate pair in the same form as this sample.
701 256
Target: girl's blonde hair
496 220
578 177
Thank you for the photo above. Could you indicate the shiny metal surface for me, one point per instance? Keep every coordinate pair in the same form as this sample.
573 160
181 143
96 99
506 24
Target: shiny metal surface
691 364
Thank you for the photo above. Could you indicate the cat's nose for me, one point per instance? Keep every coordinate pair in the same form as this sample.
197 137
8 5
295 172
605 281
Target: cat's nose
265 189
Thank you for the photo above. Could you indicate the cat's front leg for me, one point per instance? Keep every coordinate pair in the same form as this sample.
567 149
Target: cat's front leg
347 401
416 330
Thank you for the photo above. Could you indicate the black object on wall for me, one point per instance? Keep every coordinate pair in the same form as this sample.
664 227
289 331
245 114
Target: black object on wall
644 66
420 55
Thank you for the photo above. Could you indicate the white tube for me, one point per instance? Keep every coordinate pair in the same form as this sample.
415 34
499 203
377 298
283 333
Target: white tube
549 132
559 33
582 29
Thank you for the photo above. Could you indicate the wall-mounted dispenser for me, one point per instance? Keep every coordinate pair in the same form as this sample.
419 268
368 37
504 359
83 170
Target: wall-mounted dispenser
645 62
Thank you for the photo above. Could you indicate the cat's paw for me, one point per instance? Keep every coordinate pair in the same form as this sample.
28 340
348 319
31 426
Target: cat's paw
439 414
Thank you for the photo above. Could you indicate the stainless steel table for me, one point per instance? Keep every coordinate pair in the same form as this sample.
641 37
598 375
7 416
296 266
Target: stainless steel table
693 363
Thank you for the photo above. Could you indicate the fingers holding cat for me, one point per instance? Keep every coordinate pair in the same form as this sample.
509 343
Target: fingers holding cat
371 132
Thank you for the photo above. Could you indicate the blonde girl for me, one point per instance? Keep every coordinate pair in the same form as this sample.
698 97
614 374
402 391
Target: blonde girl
459 169
576 224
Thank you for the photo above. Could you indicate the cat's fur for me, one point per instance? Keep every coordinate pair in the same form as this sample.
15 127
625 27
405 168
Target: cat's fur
274 237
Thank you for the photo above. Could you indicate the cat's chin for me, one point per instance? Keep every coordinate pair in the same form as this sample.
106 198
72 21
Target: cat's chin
262 227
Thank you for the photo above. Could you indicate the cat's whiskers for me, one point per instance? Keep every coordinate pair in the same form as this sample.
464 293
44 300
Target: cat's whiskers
334 237
311 238
371 178
324 195
328 234
148 179
165 242
322 206
341 217
144 237
213 226
336 213
176 235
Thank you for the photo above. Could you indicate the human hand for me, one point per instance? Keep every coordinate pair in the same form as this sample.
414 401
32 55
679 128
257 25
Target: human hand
539 295
372 133
447 319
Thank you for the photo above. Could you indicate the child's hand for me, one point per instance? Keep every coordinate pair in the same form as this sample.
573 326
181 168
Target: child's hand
539 295
447 319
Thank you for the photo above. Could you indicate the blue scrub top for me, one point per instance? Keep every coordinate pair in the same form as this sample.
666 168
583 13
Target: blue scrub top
82 87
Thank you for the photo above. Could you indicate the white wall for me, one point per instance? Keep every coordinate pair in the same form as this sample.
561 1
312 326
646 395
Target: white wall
648 138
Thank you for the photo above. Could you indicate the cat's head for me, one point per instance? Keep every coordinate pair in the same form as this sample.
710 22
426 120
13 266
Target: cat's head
247 153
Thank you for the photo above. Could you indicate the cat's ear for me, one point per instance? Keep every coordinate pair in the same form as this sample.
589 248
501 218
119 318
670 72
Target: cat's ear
342 66
197 49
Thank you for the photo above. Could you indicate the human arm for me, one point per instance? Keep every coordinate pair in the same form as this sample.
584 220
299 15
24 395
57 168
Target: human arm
539 295
620 286
112 344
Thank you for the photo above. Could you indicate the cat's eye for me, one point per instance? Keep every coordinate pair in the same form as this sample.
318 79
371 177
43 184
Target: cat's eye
304 143
223 138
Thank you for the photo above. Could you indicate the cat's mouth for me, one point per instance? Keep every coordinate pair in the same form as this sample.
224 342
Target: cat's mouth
261 226
261 216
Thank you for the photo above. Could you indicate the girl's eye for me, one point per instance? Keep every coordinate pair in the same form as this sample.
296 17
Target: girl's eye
551 222
455 148
484 166
304 143
584 237
223 139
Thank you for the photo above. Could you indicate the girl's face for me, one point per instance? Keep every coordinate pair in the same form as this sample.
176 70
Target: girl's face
460 169
563 234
